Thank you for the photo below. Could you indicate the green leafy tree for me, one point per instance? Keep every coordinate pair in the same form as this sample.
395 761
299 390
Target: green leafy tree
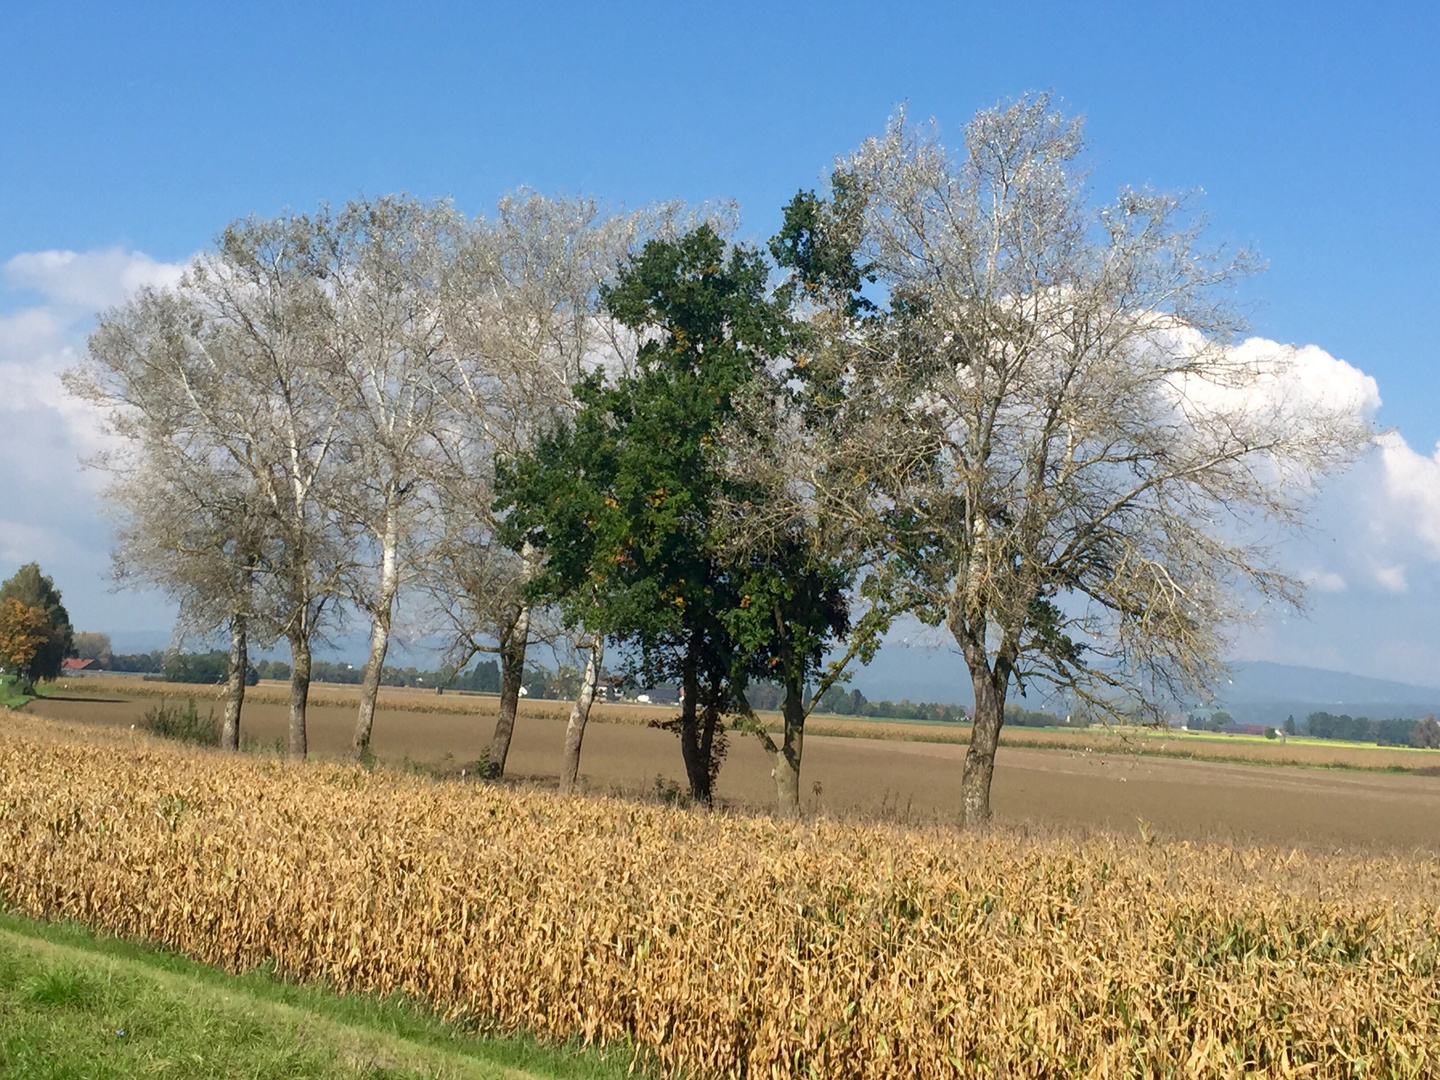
624 500
793 604
34 590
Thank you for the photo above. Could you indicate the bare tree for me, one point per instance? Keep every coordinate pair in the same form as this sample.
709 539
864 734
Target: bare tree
187 519
267 401
1074 470
233 370
522 326
387 264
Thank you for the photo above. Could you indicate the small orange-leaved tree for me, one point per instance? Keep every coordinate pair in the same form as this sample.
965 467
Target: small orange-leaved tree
23 629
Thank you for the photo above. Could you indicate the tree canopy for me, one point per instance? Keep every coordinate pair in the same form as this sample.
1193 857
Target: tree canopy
31 589
953 384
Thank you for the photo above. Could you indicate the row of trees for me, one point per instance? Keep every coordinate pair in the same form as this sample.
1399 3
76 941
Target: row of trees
842 702
1424 732
950 385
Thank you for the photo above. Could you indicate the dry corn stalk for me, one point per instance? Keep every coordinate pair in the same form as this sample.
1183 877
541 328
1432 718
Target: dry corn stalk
736 946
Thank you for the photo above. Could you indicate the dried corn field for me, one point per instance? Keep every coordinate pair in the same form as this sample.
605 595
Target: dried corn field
730 946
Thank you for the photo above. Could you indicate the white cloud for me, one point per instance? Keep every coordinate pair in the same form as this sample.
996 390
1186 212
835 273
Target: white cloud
1372 554
1412 483
88 281
1308 378
51 512
1323 581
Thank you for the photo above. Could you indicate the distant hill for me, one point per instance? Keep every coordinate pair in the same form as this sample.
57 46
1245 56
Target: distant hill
1258 682
1260 692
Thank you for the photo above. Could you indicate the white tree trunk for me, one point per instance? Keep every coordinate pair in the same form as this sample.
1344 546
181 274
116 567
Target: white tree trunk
580 715
299 693
379 636
235 684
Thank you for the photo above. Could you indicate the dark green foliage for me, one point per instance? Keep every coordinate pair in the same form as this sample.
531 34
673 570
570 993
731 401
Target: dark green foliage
34 589
1324 725
623 501
483 678
273 669
183 725
1394 732
559 685
841 702
208 668
1022 717
151 663
818 242
765 695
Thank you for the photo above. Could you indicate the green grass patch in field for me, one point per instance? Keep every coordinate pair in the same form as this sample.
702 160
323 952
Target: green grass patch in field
76 1006
10 695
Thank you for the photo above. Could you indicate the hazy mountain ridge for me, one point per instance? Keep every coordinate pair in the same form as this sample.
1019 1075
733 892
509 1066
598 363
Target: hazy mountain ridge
1264 692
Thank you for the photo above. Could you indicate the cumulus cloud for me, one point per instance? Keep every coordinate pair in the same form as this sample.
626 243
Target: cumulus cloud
51 511
1308 378
87 282
1371 555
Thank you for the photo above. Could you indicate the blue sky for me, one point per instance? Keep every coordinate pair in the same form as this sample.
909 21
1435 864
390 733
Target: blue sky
1313 129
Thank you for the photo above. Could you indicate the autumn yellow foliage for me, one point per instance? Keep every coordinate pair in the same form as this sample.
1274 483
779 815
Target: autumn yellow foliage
737 946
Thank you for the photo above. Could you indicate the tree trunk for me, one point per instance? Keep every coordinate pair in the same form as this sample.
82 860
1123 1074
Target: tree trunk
707 750
579 716
980 756
787 757
299 693
512 676
379 642
697 768
235 685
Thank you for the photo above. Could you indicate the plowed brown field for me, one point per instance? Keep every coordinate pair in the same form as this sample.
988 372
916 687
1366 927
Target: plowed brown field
888 778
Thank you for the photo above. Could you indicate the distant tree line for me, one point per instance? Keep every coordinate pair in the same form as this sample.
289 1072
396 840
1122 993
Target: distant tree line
1424 732
841 702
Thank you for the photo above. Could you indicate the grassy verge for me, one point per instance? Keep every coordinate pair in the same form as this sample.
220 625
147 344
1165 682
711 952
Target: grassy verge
77 1006
10 696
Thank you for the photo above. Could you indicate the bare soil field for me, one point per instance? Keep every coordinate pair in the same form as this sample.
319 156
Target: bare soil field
1201 746
900 778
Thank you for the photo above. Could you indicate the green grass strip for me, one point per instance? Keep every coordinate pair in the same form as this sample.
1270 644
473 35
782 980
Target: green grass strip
81 1007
